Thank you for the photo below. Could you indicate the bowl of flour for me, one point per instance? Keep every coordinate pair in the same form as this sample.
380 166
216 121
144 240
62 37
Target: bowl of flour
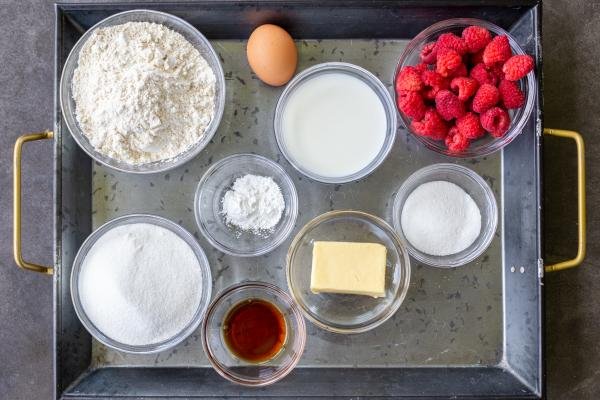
142 92
140 284
246 205
446 214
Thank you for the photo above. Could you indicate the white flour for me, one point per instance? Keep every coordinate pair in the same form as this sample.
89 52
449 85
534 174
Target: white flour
139 284
254 203
440 218
142 92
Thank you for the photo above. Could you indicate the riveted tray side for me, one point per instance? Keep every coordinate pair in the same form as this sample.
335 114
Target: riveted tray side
475 330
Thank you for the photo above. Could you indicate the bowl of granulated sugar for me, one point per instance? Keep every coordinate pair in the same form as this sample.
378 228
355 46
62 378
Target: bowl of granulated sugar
446 214
140 284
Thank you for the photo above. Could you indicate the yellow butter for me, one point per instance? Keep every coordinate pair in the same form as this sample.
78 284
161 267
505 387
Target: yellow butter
348 267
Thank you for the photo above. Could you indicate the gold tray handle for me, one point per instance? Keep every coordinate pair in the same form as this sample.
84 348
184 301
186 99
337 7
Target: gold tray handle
17 248
581 211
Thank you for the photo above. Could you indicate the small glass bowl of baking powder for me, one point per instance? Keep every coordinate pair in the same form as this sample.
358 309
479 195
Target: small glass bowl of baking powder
475 186
192 35
208 206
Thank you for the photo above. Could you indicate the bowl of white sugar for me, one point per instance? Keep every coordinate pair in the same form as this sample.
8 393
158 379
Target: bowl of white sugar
246 205
446 214
142 92
140 284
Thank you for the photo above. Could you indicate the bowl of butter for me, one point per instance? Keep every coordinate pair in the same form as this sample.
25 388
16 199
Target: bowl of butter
348 271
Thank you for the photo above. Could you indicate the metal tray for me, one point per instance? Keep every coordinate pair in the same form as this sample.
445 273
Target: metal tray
470 331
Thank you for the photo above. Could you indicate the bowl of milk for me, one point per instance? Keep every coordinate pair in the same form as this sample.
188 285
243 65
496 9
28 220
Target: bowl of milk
335 122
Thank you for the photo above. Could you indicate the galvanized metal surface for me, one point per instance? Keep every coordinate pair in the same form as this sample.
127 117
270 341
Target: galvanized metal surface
450 317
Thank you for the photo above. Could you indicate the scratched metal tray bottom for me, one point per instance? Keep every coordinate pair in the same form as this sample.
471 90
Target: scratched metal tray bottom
450 317
470 331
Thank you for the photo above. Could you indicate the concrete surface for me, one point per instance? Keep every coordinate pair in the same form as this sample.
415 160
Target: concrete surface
571 79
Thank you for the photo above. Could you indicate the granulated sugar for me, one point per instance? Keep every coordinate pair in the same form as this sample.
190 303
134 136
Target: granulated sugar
439 218
139 284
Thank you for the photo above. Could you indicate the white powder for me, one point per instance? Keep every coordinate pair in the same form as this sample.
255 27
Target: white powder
440 218
139 284
142 92
254 203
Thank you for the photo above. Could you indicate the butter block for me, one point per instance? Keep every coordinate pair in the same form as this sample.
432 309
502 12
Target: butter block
349 268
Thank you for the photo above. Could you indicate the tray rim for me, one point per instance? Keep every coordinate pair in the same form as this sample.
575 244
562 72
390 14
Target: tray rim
62 6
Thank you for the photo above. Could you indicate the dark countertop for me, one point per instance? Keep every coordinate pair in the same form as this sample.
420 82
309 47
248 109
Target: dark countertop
571 78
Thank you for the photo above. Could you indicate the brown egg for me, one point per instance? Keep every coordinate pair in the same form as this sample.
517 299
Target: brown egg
272 54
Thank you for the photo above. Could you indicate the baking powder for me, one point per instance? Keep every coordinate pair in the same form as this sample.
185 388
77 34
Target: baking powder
254 203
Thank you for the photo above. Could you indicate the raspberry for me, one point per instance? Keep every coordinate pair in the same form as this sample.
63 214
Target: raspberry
432 125
476 38
511 94
428 53
434 82
469 126
466 87
411 104
469 105
451 41
433 79
496 121
496 71
482 75
486 97
460 71
421 67
409 78
477 58
517 67
448 60
497 51
456 142
448 105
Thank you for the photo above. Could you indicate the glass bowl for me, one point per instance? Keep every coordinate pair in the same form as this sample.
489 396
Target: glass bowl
204 292
342 313
487 144
373 82
241 371
67 103
471 183
207 206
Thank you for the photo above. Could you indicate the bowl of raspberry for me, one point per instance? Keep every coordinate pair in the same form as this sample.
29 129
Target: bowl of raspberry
464 87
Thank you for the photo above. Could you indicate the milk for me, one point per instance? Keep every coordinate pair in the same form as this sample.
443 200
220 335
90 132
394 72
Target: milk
333 125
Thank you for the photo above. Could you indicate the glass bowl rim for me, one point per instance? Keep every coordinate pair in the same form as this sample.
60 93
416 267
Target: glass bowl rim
361 73
530 84
159 166
295 312
446 262
183 234
399 247
290 222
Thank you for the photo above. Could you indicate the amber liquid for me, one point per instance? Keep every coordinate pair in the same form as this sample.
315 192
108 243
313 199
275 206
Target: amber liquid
254 330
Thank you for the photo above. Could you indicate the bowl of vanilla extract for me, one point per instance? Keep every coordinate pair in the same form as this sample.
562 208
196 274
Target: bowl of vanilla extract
253 334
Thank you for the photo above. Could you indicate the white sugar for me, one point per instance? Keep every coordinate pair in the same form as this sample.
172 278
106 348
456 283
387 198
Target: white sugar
439 218
139 284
